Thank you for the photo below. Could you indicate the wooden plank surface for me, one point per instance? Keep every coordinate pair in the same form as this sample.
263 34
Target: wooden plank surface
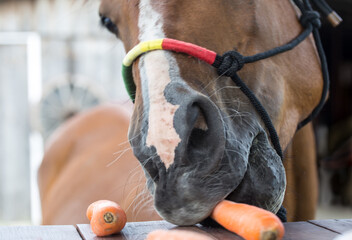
219 233
39 232
140 230
335 225
136 231
306 230
312 230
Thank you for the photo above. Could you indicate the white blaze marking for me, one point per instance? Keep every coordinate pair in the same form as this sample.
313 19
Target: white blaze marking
161 133
155 77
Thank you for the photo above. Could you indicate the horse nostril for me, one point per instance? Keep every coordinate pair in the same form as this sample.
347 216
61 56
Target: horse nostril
201 122
195 141
198 133
202 136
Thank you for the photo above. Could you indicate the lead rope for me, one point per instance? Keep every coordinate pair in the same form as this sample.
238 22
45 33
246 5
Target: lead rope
232 61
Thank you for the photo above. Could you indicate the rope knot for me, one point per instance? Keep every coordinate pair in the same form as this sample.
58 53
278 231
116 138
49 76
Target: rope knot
310 17
230 63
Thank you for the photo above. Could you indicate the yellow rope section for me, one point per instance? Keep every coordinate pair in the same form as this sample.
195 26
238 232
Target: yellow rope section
140 49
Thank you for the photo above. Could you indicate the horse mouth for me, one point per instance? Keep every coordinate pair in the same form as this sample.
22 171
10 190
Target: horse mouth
256 178
264 182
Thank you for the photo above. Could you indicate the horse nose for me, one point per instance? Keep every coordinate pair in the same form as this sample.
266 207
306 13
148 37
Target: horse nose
199 124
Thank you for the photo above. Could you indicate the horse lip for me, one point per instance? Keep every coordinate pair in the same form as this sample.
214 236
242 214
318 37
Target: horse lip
262 158
254 141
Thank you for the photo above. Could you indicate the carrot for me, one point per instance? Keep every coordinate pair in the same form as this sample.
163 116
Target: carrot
176 235
90 208
250 222
106 217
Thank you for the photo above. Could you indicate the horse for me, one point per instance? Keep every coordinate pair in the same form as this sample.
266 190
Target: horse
196 135
87 159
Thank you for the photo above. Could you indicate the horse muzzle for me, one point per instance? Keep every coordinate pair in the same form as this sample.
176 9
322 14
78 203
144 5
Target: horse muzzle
214 159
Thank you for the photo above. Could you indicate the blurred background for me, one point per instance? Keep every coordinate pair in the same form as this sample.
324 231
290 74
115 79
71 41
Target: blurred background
56 60
333 127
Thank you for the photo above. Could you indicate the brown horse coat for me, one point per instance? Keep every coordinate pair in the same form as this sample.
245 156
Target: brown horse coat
87 159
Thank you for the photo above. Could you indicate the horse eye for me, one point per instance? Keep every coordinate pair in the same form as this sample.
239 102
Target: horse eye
108 24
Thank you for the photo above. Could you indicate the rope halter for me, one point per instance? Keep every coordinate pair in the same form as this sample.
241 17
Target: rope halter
232 61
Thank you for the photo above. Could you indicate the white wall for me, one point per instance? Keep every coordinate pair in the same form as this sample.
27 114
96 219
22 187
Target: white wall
73 44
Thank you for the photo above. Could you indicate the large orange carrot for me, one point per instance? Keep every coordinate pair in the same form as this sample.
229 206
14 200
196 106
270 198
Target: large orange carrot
106 217
250 222
176 235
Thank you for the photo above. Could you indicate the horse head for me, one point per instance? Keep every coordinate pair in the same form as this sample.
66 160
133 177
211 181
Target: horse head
197 136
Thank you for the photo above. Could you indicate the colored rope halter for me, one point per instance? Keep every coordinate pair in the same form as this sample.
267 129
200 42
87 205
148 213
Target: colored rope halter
230 62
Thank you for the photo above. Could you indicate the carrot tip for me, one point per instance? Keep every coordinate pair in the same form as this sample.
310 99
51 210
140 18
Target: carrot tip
108 217
269 235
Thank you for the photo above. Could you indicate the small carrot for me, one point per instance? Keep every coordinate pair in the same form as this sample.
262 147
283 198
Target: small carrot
176 235
90 208
250 222
106 217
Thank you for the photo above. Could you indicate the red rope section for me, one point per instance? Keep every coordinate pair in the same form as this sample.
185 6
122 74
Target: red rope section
191 49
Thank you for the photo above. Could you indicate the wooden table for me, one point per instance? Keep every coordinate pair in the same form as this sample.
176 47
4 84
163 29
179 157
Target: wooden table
310 230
